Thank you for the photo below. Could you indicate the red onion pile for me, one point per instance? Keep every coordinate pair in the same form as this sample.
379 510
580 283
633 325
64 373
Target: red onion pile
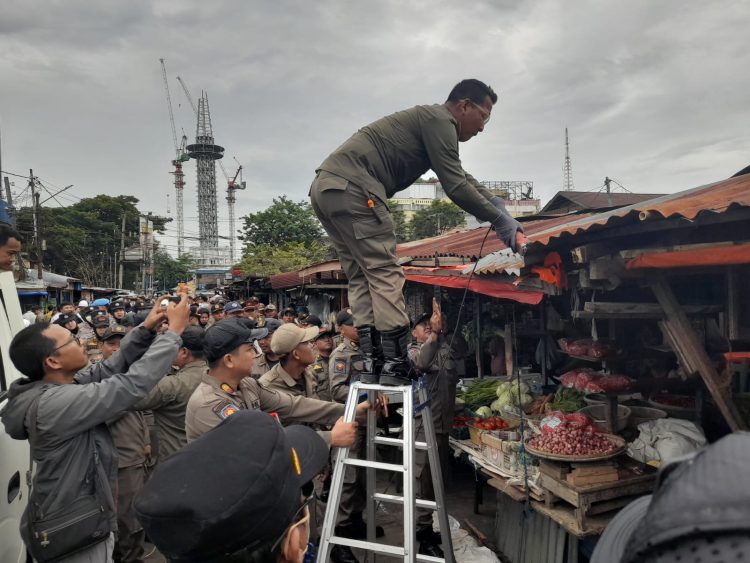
573 441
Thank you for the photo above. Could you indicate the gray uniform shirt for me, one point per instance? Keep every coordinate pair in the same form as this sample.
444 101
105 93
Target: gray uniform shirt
168 402
389 154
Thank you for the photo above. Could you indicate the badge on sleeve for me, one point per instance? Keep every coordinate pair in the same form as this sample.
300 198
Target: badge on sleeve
339 368
225 409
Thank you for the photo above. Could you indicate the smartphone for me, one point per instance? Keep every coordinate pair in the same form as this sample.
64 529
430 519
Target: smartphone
257 347
164 303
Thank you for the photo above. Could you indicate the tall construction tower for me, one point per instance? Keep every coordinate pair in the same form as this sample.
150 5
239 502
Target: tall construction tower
567 169
233 186
206 153
179 177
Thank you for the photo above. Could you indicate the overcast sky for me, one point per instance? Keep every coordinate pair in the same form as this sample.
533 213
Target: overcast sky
654 93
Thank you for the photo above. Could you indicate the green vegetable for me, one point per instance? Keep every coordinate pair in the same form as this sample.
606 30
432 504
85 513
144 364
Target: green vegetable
480 393
484 412
567 400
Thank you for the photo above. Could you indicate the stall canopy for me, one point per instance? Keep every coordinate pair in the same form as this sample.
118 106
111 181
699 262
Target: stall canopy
724 255
451 277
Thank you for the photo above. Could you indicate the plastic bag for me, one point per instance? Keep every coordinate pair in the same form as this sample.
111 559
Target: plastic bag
665 439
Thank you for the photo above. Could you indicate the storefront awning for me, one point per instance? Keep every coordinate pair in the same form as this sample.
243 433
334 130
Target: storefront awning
725 255
492 288
31 293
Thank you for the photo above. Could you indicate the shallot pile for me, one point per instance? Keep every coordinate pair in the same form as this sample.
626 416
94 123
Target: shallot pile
573 441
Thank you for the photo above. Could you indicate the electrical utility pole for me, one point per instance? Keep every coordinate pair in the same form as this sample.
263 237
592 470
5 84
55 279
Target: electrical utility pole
35 214
122 252
567 168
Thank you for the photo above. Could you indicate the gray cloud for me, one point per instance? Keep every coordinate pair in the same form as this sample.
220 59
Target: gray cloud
654 94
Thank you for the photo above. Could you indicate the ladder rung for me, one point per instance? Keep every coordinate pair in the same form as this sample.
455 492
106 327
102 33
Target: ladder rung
383 548
429 504
398 442
374 465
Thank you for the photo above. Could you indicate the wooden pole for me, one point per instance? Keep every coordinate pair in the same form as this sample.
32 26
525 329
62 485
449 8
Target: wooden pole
690 350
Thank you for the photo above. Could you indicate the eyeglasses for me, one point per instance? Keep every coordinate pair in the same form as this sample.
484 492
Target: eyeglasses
304 511
485 114
73 339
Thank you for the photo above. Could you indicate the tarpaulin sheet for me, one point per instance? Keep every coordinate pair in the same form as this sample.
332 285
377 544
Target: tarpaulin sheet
493 288
714 256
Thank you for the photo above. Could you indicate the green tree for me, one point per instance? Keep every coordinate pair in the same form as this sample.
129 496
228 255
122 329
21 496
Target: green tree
401 226
440 217
284 222
83 239
267 260
169 271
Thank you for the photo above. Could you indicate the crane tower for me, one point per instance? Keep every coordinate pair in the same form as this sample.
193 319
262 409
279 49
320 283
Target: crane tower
206 153
567 169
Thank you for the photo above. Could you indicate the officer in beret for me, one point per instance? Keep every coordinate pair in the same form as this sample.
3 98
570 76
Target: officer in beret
346 360
270 469
295 347
267 359
217 313
100 322
289 315
229 348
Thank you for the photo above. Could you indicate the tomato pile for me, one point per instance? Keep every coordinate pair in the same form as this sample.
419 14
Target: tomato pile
495 423
573 441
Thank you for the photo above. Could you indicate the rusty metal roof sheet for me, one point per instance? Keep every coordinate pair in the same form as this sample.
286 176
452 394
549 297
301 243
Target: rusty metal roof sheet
718 197
596 200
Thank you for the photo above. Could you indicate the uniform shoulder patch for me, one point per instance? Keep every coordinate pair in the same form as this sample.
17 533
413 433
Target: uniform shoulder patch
339 367
225 409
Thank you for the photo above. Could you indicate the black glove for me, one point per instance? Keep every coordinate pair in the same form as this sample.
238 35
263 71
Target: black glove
505 226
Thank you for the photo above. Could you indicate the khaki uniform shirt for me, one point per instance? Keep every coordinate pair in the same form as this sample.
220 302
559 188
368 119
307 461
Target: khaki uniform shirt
130 435
214 401
261 365
433 359
168 401
345 365
278 379
320 370
389 154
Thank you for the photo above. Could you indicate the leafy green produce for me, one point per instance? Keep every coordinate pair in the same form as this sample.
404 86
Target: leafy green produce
484 412
480 393
567 400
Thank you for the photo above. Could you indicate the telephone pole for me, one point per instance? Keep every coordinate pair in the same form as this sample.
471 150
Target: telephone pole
122 252
567 168
35 214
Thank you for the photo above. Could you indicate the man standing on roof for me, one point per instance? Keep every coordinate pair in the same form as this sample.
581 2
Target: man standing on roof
349 196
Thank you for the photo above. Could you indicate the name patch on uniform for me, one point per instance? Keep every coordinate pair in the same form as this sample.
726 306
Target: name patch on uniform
340 367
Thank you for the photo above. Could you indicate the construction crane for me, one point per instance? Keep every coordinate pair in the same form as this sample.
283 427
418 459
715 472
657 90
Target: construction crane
181 156
232 184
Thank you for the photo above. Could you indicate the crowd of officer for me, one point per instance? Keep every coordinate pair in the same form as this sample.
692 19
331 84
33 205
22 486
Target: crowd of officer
222 358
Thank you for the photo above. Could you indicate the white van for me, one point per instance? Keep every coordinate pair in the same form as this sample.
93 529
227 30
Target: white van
14 454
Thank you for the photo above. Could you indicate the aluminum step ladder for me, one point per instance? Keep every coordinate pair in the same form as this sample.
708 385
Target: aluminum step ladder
409 501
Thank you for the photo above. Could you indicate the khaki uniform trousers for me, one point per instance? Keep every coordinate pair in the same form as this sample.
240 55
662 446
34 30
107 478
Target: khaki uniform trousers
366 245
425 488
129 547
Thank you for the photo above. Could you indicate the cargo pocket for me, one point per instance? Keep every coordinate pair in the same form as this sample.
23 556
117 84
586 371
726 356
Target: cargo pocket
376 240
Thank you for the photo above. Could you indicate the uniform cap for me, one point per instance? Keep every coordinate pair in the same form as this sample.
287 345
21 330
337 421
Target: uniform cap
101 302
83 303
270 307
345 317
244 477
313 320
99 319
420 319
289 311
114 330
116 305
65 318
192 338
232 307
272 325
226 335
288 336
217 308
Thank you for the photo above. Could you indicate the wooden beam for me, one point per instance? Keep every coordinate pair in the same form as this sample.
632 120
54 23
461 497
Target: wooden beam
733 303
621 310
690 350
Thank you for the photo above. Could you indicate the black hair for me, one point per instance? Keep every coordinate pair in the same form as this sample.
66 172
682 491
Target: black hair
29 348
7 232
192 340
473 89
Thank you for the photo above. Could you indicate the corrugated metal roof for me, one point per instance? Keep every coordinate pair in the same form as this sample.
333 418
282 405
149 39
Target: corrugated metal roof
712 198
596 200
284 281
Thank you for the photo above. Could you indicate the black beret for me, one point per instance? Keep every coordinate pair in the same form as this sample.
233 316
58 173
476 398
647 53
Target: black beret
344 317
236 487
272 324
420 319
192 338
65 318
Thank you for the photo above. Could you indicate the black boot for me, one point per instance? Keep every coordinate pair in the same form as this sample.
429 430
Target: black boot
396 369
369 345
429 542
343 554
